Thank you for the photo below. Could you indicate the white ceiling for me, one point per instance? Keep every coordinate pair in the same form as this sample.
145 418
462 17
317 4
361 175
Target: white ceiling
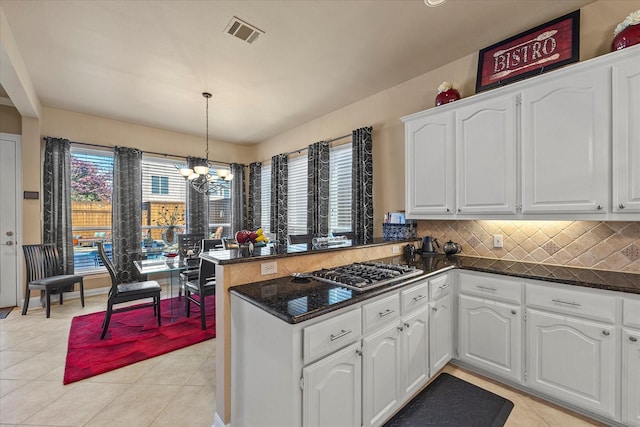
148 62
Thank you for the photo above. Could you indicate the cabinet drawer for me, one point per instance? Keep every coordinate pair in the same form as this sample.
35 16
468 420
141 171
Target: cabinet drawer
439 286
491 287
575 302
381 312
330 335
631 313
414 297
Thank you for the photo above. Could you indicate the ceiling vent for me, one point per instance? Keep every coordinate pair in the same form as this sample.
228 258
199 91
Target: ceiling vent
242 30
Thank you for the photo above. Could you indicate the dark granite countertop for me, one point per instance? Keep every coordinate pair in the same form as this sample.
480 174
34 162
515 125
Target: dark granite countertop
273 250
296 300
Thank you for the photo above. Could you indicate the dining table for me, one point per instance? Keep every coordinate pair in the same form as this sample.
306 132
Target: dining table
169 267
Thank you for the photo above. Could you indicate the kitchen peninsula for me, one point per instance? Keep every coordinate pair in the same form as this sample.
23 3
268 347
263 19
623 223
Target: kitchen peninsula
342 357
237 267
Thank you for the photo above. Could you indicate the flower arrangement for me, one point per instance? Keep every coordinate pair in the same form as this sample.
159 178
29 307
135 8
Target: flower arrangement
170 219
632 19
445 86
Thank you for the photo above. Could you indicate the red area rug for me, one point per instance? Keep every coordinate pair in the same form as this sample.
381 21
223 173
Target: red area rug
133 336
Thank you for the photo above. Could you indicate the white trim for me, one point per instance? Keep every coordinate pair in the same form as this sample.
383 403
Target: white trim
18 210
217 422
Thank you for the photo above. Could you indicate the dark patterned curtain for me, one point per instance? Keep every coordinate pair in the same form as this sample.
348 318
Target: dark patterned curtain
362 184
318 188
127 212
238 197
254 210
197 211
56 199
279 203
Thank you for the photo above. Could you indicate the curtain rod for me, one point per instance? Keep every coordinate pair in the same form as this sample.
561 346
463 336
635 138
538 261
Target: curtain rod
143 151
300 150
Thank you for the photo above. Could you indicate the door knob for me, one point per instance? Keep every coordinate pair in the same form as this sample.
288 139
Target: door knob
633 339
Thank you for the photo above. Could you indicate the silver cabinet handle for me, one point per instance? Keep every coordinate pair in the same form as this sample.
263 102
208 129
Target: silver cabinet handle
621 206
419 298
400 328
486 288
341 334
459 210
448 210
513 312
633 339
435 309
359 352
606 333
445 286
386 313
406 325
599 207
559 301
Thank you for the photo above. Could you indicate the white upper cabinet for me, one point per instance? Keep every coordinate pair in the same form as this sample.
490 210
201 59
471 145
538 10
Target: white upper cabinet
626 136
565 138
486 141
429 161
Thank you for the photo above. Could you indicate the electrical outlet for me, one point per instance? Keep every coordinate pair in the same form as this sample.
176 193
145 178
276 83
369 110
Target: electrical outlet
395 249
497 241
268 268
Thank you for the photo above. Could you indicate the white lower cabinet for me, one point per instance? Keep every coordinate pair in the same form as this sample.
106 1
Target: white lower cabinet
333 390
573 359
414 357
440 323
381 374
490 336
631 377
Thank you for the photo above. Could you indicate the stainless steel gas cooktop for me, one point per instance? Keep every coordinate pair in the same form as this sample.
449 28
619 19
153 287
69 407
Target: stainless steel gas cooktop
362 276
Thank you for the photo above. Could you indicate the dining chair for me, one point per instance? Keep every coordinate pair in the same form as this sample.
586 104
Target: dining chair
189 242
126 292
203 287
44 273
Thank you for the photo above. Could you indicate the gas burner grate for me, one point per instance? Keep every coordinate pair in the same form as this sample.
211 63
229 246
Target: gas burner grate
362 276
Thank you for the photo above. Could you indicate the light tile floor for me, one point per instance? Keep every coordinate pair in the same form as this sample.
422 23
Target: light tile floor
176 389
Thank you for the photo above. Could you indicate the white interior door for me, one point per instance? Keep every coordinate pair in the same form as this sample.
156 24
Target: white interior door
10 214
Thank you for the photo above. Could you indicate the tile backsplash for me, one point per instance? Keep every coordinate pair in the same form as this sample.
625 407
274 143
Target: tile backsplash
603 245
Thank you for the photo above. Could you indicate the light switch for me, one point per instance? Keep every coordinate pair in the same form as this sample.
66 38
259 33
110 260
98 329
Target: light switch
497 241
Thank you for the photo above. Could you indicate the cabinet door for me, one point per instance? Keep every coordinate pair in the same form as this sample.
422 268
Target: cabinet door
565 144
415 352
381 374
573 360
429 165
486 141
631 377
440 333
332 390
626 136
490 335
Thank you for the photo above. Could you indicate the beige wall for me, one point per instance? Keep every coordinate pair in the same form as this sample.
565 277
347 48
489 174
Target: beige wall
382 111
10 120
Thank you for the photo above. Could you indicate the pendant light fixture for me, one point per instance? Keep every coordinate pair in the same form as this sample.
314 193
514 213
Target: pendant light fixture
201 177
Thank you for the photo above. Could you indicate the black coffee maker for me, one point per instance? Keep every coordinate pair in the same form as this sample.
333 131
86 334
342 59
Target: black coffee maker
429 245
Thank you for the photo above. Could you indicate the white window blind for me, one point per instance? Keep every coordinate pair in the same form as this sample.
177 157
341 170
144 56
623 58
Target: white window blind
340 188
297 197
265 198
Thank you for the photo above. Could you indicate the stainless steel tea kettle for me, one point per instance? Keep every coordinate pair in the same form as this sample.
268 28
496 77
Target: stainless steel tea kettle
451 248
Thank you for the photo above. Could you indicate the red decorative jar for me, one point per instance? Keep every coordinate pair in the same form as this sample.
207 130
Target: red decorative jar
627 37
447 96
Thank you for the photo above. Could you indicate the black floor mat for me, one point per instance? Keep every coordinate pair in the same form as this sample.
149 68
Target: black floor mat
451 402
4 312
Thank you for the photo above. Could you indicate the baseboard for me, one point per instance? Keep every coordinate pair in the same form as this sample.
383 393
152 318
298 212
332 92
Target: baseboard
34 301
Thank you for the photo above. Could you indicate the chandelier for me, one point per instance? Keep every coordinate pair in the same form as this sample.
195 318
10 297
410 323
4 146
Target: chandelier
203 178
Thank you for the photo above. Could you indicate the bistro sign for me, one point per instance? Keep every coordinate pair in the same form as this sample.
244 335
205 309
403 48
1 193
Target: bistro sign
533 52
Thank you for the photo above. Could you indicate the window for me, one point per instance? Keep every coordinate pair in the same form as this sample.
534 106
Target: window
297 195
220 209
265 197
163 194
159 185
340 188
91 191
